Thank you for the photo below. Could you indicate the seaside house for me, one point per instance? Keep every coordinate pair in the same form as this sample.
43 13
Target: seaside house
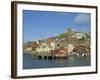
34 45
78 35
81 50
29 48
44 47
59 53
70 49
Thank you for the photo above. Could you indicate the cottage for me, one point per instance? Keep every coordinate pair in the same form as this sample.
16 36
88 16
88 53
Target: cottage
44 47
70 48
59 53
78 35
81 50
29 48
34 45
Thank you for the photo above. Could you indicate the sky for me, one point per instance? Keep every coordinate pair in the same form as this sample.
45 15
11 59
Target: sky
39 25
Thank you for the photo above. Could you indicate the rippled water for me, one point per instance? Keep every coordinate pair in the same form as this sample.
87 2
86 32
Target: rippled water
72 61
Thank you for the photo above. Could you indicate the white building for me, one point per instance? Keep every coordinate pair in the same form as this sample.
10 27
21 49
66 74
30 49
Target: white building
28 49
44 47
79 35
70 48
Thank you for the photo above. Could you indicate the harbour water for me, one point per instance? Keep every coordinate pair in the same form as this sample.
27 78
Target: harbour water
71 61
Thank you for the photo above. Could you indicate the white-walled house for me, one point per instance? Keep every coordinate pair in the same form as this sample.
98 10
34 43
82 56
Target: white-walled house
28 49
79 35
53 45
70 48
44 47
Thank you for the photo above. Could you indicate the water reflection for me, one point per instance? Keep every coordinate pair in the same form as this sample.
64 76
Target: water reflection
72 61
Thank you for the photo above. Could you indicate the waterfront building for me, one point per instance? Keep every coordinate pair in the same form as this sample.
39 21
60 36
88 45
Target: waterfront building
44 47
70 48
78 35
29 48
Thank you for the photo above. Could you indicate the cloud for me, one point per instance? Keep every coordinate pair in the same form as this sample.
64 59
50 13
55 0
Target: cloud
82 19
